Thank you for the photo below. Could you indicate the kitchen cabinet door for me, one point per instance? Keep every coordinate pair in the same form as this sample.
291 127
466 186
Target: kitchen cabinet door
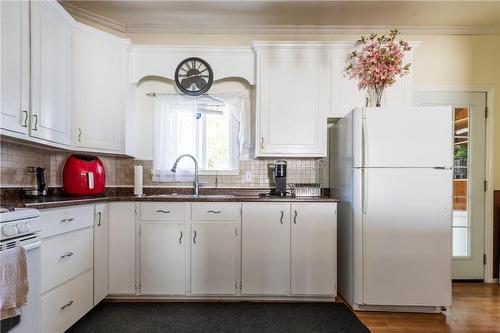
122 233
214 257
265 249
101 253
51 29
314 249
163 258
15 61
293 99
99 81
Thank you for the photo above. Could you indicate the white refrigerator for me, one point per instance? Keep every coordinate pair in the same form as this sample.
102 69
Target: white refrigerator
392 169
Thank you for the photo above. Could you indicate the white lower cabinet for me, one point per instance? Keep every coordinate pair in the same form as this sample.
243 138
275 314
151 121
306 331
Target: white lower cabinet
63 306
122 234
265 249
163 258
289 249
101 253
214 258
67 266
314 249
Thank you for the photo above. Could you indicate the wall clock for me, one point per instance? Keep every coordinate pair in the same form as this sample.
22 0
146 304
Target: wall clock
194 76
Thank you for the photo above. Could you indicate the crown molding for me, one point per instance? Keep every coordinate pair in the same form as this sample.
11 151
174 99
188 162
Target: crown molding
77 13
304 30
275 29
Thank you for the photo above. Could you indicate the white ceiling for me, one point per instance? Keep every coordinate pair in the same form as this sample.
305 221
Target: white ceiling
281 16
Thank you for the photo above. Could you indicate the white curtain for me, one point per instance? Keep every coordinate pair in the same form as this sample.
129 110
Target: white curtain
175 127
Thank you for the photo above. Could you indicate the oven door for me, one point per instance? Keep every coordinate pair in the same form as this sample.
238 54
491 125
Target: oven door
30 320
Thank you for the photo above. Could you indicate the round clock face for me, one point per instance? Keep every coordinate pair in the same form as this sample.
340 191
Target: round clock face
194 76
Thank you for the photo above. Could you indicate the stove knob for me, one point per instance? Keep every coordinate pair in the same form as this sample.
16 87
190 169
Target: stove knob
9 230
22 228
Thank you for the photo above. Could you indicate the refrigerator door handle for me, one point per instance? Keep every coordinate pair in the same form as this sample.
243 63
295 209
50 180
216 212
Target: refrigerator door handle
364 141
364 191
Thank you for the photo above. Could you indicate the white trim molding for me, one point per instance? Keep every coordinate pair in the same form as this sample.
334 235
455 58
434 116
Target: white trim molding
489 163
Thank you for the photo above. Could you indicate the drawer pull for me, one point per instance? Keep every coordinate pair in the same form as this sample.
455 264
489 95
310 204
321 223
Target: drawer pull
68 254
281 218
194 237
295 217
214 211
64 220
71 219
180 237
99 215
163 211
67 304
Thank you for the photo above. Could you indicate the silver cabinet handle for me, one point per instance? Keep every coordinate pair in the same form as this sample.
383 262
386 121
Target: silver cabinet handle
214 211
67 304
71 219
25 122
35 128
64 220
99 219
79 135
180 238
295 217
163 211
261 142
68 254
194 237
281 218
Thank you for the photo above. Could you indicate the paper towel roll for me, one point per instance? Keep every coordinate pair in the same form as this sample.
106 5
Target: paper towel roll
138 180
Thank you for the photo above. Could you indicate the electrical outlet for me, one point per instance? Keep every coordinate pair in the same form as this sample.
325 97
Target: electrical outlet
248 176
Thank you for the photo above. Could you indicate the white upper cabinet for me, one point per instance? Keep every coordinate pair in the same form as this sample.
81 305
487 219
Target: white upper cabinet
292 99
15 61
345 92
51 29
99 89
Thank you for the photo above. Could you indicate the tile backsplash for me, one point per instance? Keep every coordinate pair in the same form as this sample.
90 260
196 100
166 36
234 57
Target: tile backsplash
16 157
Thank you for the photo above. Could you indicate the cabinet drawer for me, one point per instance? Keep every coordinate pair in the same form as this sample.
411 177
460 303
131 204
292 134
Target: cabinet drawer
65 256
63 306
216 211
59 221
163 211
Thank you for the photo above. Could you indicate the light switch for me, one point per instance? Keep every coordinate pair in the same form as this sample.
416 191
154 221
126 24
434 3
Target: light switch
248 176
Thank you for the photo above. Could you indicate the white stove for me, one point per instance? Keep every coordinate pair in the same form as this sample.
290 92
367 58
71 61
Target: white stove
17 222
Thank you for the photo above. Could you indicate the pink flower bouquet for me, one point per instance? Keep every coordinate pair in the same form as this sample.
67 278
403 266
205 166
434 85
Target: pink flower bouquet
377 61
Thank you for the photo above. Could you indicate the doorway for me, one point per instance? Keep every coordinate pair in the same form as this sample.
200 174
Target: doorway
469 155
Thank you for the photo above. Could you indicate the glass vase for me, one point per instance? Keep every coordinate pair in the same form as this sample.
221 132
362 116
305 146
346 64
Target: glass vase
374 96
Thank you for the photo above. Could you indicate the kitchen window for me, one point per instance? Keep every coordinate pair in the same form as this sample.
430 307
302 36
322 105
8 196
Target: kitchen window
214 129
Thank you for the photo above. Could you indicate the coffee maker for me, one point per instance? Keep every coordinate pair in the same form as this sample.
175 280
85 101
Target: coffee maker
279 178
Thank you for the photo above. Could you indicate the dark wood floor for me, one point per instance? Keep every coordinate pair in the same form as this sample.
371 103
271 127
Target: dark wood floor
476 309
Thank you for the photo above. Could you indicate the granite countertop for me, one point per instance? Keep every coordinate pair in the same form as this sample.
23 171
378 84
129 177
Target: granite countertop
57 199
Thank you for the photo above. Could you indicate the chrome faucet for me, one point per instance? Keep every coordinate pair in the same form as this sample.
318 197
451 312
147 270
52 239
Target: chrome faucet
196 183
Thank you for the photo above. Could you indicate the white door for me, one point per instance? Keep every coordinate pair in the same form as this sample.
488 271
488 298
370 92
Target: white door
101 253
403 137
214 258
122 233
293 99
98 89
50 72
163 258
469 124
406 236
265 249
314 249
14 67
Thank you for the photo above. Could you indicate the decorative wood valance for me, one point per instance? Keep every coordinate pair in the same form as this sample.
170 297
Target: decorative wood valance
162 61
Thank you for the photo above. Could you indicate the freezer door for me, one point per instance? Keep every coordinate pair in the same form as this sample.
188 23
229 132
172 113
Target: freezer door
403 137
407 216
